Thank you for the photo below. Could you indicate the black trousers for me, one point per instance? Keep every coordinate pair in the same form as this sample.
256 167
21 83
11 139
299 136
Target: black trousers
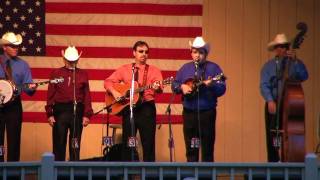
63 114
11 122
145 122
270 121
207 133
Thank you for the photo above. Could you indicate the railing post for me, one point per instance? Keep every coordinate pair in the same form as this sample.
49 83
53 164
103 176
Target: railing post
47 166
311 167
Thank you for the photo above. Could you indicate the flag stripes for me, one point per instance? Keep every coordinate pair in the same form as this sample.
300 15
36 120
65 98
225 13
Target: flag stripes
106 32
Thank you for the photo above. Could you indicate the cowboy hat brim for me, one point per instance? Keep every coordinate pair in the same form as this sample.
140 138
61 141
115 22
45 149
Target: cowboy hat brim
272 45
17 42
75 58
206 46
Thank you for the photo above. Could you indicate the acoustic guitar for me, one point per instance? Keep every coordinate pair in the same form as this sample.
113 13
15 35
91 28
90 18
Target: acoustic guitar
117 105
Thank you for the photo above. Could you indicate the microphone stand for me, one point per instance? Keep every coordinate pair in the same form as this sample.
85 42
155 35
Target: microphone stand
197 141
170 139
107 141
75 143
132 140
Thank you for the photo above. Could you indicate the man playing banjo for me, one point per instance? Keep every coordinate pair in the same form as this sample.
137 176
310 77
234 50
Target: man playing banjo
14 74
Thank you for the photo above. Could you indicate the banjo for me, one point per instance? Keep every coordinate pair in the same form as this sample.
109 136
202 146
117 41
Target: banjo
8 90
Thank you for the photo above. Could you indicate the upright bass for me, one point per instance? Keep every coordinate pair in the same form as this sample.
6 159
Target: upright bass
292 110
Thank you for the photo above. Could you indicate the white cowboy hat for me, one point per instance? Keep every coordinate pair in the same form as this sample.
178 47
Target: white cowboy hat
10 38
71 53
198 43
279 39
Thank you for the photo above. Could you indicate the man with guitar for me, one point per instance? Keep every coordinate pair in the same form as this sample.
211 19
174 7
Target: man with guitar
201 82
144 113
68 106
15 72
285 63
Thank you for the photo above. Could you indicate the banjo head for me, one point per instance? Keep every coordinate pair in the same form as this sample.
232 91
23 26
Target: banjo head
6 91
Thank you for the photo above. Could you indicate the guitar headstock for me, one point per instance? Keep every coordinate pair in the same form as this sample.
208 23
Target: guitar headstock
57 80
220 77
168 80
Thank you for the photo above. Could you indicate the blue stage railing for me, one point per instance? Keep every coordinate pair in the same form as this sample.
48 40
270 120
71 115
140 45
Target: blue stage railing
48 169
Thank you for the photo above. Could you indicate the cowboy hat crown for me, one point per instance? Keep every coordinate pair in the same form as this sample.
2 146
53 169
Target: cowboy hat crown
11 38
198 43
279 39
71 53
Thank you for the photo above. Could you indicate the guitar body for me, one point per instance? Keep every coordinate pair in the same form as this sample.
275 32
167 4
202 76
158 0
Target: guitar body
190 82
124 90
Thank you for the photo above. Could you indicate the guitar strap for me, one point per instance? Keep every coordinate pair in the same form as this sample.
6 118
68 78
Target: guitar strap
145 75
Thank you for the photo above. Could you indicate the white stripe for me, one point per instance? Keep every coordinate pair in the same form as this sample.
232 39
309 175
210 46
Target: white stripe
38 106
101 63
123 20
117 41
135 1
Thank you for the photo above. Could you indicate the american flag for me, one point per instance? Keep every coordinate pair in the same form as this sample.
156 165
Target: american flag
105 31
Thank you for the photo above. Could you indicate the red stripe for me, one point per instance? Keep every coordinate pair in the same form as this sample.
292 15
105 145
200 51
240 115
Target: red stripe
41 95
94 74
39 117
124 8
109 30
119 52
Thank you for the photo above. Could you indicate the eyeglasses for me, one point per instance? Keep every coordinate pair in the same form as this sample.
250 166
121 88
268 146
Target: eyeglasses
144 51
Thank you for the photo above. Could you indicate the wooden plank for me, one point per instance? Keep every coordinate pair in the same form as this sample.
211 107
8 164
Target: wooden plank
215 33
234 69
252 134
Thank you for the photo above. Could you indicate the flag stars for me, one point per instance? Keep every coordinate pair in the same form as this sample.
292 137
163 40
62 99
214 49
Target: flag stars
30 10
38 18
8 2
30 41
7 18
38 34
23 3
38 49
30 26
15 25
23 18
15 10
23 33
23 49
37 3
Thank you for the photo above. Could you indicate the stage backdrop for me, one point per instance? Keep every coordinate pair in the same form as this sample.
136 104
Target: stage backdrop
238 31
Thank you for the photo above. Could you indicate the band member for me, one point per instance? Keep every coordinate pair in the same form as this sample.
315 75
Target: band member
68 106
199 103
15 70
144 112
271 83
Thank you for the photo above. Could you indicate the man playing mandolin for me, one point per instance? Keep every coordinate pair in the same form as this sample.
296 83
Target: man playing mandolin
285 63
144 112
201 82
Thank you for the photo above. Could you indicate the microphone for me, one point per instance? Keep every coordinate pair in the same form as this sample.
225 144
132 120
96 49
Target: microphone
196 64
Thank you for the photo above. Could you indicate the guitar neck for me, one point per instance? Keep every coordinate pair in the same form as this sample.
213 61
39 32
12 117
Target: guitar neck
141 89
37 84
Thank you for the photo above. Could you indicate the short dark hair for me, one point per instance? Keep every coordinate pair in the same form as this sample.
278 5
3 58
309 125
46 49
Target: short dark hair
139 43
